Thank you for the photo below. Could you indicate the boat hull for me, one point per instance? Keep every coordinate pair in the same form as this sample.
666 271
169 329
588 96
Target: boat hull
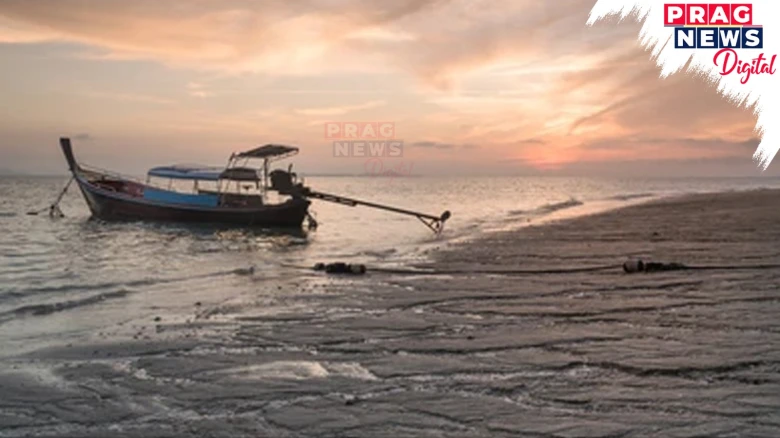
108 205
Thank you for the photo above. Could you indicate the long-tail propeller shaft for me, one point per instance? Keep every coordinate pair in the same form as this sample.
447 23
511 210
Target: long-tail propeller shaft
435 223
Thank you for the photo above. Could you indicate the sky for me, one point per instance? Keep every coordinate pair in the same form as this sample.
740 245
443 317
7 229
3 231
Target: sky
471 86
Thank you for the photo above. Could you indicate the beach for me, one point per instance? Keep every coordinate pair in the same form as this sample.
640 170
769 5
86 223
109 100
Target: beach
555 353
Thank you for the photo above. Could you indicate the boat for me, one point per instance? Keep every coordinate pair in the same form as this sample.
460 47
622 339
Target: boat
240 193
235 194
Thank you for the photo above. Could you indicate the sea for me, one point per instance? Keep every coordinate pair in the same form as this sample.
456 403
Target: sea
76 281
61 266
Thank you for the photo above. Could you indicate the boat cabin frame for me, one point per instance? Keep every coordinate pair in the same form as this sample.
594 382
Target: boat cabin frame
236 174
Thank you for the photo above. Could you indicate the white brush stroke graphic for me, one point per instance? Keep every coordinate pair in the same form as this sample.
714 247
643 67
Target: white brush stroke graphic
763 91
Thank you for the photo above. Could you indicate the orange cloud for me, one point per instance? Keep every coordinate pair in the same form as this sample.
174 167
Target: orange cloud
233 35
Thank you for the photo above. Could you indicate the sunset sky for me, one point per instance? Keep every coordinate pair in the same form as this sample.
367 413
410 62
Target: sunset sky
473 86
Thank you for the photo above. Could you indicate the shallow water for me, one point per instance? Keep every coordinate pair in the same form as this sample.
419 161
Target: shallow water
135 327
53 266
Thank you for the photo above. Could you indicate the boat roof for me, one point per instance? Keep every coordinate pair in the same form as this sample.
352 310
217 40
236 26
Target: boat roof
186 172
268 151
205 173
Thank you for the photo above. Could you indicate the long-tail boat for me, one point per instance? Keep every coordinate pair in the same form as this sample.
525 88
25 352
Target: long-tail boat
238 193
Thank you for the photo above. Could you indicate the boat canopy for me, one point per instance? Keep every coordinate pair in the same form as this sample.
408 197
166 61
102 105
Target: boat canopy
186 172
268 151
205 173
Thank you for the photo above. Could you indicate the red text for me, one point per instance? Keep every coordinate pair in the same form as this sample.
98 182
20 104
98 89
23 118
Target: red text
728 62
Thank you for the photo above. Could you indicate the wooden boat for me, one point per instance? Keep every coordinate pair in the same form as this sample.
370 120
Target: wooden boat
237 194
230 200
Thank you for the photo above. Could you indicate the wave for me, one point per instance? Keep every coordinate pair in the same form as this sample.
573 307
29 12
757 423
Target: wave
49 308
548 208
297 370
379 254
631 196
64 288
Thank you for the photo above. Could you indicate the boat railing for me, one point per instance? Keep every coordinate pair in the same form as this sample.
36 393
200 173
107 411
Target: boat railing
111 173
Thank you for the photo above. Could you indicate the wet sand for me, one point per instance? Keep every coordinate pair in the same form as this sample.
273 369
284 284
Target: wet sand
589 354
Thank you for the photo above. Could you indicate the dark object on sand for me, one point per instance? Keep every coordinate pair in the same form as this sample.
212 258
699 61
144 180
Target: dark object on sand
234 194
341 268
633 266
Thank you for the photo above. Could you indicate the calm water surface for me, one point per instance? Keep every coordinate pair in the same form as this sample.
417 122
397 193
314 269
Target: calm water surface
76 282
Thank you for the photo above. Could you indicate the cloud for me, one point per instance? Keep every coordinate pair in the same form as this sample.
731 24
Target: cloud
636 97
445 146
684 148
381 35
634 113
340 110
196 89
232 35
436 40
128 97
532 141
82 137
12 32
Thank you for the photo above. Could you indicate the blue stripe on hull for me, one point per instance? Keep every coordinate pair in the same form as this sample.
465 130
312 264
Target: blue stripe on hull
170 197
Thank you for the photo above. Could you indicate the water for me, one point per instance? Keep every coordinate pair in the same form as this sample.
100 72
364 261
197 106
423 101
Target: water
69 263
97 289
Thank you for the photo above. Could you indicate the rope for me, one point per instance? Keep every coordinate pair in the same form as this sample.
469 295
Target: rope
497 271
54 208
732 267
464 272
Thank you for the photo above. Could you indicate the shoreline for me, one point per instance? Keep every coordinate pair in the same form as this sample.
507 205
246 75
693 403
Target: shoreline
639 210
581 211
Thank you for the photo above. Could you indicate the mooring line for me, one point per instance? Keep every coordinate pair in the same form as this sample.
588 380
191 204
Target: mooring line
497 271
360 269
54 208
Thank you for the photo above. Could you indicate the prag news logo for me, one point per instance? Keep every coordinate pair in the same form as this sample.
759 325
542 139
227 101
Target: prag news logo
364 139
725 27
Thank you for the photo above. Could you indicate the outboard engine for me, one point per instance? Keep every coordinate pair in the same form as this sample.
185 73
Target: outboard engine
283 181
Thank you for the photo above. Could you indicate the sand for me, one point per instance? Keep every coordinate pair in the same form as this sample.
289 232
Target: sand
593 354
